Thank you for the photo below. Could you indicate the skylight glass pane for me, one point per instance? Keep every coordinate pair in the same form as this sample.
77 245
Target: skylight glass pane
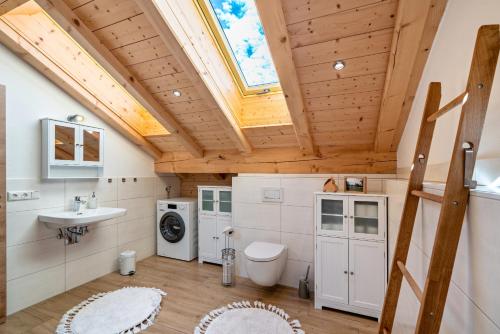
240 23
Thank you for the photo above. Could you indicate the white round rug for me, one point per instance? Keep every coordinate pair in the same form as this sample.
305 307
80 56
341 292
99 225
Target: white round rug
246 318
124 311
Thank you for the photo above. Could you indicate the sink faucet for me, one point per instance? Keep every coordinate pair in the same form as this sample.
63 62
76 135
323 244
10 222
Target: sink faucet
79 205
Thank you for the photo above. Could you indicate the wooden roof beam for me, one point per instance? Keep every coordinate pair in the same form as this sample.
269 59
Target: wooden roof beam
65 17
29 53
273 20
416 25
167 19
8 5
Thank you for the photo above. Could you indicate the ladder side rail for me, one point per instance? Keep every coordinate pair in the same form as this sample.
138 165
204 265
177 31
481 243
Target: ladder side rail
456 195
410 208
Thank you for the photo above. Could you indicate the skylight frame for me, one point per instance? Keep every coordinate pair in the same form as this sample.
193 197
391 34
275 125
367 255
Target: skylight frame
224 47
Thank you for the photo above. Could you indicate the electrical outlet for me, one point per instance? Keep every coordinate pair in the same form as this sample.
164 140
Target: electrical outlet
22 195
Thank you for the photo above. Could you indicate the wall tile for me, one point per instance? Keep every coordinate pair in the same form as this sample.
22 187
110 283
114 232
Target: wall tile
23 226
164 181
245 236
34 256
98 239
136 229
144 247
262 216
104 190
296 219
51 194
91 267
300 191
143 187
300 246
137 208
249 189
294 271
31 289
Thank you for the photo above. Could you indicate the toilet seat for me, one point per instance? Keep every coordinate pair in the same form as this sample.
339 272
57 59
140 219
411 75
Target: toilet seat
263 251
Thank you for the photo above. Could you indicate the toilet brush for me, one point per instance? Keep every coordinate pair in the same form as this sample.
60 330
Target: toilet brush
304 285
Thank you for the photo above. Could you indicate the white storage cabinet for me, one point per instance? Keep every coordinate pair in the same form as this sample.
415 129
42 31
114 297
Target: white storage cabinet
71 150
214 214
350 252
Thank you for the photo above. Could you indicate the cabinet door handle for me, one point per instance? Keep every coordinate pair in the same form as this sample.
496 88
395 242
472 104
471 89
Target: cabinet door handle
352 272
351 217
345 272
345 216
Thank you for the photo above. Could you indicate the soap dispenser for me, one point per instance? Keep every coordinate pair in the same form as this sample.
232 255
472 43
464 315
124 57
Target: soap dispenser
92 201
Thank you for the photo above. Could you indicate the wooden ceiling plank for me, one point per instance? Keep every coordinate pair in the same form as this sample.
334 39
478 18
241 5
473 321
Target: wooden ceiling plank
183 50
102 13
167 82
63 15
59 77
344 48
342 24
142 51
8 5
273 21
303 10
155 68
354 67
344 101
359 84
416 25
279 160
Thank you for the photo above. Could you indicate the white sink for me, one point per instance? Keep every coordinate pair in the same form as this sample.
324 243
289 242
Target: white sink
89 216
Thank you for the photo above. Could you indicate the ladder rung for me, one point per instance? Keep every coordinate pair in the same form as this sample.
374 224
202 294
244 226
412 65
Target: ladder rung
429 196
460 99
411 281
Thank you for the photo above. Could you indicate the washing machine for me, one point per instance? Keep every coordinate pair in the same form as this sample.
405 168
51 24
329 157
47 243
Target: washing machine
177 228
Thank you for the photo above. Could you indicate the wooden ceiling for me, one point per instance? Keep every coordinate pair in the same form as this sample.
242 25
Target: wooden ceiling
322 117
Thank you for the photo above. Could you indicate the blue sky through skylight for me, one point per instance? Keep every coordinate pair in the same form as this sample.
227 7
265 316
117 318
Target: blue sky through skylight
241 24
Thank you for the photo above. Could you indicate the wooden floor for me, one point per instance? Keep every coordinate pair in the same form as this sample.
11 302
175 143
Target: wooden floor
193 290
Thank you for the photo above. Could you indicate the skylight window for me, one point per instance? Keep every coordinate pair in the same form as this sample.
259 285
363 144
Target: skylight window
238 30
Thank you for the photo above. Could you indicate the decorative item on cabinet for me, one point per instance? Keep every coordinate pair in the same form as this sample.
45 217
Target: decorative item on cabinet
350 253
71 150
330 186
214 215
355 184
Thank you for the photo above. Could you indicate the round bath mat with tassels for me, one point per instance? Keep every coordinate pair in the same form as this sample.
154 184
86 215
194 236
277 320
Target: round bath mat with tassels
247 318
124 311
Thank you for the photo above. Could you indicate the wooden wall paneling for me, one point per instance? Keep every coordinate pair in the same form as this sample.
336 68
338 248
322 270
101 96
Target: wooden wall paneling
303 10
359 84
63 15
170 23
190 182
279 160
273 22
44 65
416 25
344 48
342 24
8 5
366 65
3 219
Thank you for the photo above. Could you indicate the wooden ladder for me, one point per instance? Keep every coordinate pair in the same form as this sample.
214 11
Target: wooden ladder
458 184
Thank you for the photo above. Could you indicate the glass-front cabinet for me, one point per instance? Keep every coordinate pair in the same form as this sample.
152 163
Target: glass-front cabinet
71 150
208 200
332 213
353 216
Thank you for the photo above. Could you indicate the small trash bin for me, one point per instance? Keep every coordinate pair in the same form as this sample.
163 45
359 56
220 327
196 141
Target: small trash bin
228 266
127 263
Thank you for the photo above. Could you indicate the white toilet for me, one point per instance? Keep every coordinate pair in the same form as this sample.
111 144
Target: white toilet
265 262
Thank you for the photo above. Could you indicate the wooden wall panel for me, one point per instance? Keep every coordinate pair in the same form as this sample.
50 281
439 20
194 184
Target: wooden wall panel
3 219
190 182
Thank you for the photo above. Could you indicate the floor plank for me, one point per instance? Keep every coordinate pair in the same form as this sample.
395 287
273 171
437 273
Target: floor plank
193 289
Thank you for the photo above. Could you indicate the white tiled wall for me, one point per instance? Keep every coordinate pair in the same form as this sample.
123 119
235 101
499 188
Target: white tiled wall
473 304
40 266
289 222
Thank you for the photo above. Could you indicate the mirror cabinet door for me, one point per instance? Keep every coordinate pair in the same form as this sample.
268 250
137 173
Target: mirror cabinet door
91 145
64 143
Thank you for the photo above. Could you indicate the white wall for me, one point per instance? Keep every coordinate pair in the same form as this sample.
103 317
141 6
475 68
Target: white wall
449 63
290 222
38 264
473 304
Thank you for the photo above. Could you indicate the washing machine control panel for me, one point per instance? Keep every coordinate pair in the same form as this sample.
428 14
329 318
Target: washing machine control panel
172 207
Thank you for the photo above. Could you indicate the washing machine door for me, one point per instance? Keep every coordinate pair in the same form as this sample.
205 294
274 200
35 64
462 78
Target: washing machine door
172 227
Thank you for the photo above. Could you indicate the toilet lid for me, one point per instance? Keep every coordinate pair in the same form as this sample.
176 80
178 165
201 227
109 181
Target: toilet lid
263 251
